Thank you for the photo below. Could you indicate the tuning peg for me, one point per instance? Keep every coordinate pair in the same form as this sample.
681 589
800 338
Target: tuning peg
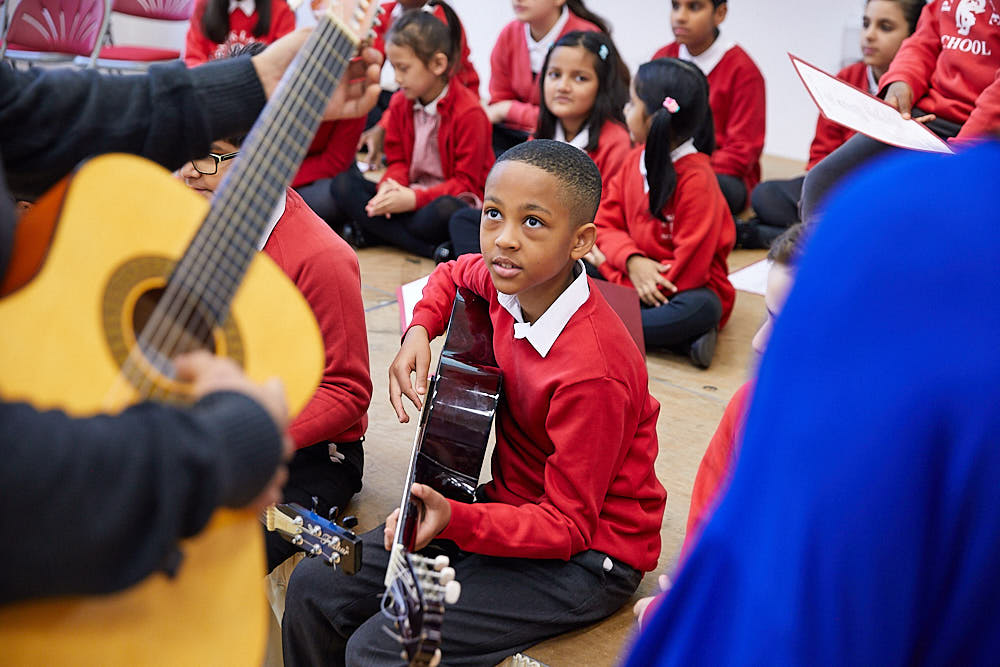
441 562
349 522
436 658
332 514
380 11
447 575
452 592
315 504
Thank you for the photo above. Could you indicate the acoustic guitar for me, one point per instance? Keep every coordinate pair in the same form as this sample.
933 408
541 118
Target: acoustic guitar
116 271
447 455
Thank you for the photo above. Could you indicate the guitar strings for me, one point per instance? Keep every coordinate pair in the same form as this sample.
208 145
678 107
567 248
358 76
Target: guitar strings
207 253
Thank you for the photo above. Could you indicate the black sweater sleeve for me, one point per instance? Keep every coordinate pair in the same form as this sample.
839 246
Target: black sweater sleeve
94 505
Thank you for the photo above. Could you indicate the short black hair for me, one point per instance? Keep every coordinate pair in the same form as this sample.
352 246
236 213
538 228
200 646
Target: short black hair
235 51
788 248
572 167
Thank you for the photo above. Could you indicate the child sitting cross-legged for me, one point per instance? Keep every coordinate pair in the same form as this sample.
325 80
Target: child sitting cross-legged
571 519
664 226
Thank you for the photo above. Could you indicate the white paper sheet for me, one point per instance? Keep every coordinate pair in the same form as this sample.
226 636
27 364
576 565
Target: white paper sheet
853 108
751 278
408 295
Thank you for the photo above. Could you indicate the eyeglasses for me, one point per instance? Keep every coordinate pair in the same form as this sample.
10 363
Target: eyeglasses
209 165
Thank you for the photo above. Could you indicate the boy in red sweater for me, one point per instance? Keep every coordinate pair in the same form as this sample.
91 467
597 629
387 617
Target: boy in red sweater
944 74
570 520
326 468
736 94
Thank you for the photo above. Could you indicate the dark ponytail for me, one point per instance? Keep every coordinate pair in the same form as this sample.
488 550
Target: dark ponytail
578 8
215 20
612 91
426 35
692 119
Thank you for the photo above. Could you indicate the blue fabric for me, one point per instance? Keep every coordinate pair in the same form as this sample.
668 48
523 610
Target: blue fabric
862 525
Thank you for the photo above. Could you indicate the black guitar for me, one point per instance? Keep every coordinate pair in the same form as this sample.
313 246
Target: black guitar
448 453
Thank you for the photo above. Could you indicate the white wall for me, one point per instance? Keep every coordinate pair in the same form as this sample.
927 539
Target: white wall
822 32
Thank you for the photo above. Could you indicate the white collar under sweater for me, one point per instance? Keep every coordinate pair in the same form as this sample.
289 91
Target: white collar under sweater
431 108
542 334
537 50
581 139
248 6
279 211
687 148
710 57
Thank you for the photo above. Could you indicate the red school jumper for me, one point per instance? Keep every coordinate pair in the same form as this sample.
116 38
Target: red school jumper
199 48
511 77
736 95
612 148
829 135
567 475
465 74
332 150
325 269
949 61
464 141
695 240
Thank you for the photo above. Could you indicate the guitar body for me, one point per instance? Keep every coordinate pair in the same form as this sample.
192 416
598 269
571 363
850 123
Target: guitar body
122 222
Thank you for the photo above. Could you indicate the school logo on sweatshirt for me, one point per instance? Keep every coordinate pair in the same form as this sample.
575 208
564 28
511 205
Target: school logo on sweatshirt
965 14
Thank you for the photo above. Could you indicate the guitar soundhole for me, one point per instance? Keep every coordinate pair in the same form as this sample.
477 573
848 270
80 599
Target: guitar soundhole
191 331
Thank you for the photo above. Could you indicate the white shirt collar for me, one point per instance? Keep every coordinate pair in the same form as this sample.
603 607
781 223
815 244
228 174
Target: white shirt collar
279 211
537 50
431 108
872 81
707 60
248 6
581 139
542 334
687 148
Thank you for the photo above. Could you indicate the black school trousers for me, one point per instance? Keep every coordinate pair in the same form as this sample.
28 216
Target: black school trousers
506 606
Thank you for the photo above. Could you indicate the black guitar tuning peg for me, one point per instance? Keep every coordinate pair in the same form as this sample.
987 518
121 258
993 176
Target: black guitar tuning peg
315 504
349 522
332 514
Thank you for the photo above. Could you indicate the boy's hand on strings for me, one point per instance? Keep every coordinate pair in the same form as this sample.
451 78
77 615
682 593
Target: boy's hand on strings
414 356
357 92
497 112
208 373
434 517
899 96
373 140
391 198
647 276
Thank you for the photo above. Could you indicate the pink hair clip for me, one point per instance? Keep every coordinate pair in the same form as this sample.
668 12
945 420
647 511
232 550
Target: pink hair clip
670 104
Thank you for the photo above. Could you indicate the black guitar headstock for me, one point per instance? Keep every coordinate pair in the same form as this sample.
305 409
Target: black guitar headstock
318 537
418 587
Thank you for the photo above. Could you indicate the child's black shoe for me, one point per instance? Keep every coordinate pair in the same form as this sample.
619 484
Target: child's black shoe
703 348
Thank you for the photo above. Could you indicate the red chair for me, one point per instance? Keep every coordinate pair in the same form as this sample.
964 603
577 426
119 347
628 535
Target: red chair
53 31
123 57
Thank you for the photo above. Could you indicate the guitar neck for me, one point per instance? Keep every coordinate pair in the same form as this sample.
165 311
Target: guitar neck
221 252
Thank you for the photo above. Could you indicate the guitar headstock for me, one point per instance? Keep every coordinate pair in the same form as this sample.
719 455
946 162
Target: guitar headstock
354 17
414 599
318 537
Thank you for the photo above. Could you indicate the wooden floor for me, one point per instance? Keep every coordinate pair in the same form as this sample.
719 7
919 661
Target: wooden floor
692 402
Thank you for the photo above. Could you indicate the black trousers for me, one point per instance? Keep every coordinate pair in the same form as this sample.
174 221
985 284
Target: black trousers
506 606
678 322
734 191
464 230
854 153
418 232
317 483
776 203
319 196
507 137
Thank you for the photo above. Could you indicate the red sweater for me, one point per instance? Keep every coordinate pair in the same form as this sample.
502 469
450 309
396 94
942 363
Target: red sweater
325 269
829 135
199 48
612 148
575 436
717 464
464 140
736 95
465 74
695 241
947 66
332 150
511 77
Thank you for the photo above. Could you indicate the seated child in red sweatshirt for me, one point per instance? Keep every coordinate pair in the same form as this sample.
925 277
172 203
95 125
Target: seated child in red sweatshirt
736 94
886 23
720 457
517 59
664 226
571 518
947 74
583 91
218 25
437 143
